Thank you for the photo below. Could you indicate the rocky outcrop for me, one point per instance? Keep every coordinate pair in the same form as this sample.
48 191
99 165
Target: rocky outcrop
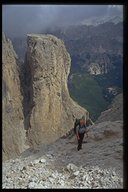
13 135
114 111
102 64
51 110
94 69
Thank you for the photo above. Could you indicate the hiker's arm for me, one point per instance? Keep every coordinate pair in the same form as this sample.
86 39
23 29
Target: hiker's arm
77 133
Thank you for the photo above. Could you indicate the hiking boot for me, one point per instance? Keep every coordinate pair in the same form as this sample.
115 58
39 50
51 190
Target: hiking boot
78 148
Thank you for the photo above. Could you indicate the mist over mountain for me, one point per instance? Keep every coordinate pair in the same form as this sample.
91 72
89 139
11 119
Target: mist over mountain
18 20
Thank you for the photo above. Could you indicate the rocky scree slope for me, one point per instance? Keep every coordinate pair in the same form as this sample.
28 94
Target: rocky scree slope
59 165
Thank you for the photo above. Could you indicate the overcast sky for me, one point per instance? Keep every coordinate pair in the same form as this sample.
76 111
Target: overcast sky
18 20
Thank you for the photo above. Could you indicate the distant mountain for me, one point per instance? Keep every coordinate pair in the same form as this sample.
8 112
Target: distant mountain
100 20
100 44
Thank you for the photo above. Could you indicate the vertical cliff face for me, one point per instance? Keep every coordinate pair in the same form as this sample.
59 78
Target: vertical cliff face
13 135
51 111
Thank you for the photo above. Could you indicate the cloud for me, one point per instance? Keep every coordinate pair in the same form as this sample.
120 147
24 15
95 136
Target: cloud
20 19
115 9
17 20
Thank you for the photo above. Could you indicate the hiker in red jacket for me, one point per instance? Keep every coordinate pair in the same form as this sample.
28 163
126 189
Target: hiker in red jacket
80 128
80 131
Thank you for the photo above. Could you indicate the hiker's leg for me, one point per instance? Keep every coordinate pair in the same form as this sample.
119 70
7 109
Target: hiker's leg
79 144
81 140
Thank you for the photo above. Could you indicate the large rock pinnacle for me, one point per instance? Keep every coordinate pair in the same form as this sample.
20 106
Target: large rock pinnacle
51 110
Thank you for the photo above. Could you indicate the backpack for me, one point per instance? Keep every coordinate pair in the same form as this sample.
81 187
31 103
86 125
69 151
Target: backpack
77 122
81 129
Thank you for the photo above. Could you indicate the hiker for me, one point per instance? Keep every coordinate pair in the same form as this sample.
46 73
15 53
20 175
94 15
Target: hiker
80 128
80 131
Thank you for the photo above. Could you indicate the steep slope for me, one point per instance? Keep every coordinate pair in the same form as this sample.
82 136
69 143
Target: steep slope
114 111
13 134
98 165
51 111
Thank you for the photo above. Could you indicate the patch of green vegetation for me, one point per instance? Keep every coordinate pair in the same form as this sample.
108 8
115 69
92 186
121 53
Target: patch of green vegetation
85 90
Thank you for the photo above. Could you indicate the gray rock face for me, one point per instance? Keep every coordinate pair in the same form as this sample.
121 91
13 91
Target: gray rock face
13 134
114 111
51 110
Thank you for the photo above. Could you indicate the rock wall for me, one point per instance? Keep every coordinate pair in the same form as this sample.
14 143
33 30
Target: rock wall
13 134
51 110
